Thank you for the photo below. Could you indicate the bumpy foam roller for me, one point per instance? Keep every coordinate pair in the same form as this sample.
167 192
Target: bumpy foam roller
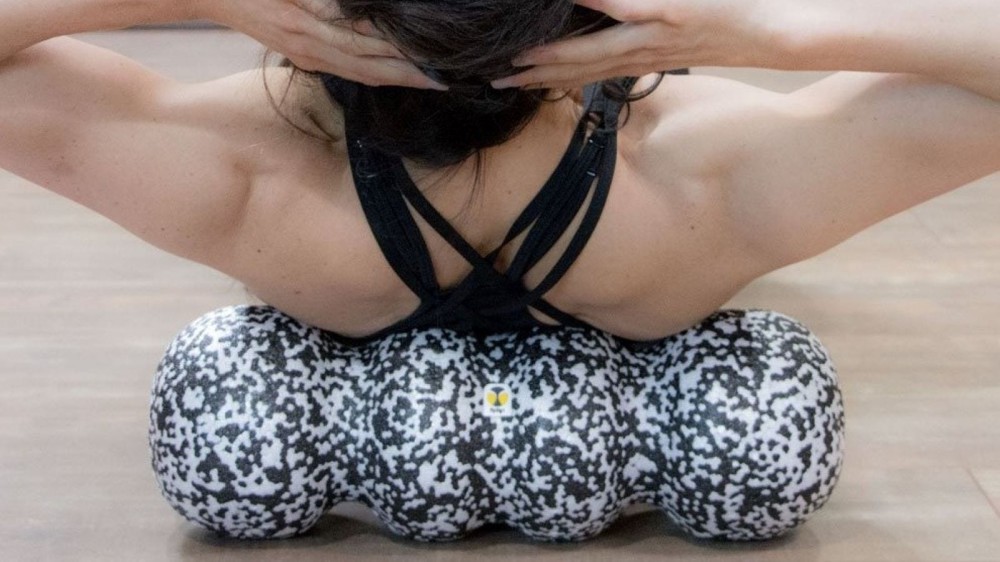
260 424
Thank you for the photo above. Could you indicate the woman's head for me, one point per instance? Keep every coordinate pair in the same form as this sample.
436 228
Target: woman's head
464 44
468 43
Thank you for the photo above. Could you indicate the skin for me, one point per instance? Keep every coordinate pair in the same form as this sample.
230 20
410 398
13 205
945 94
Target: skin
717 182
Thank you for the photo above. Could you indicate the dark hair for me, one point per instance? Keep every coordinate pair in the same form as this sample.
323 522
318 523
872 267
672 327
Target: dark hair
464 44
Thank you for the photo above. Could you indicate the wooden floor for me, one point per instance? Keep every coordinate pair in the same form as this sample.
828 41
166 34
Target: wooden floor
909 309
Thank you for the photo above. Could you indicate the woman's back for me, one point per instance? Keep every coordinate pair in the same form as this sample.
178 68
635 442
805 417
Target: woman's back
660 258
715 182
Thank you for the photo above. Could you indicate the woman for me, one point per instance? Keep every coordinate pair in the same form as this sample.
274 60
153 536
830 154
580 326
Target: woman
705 185
715 183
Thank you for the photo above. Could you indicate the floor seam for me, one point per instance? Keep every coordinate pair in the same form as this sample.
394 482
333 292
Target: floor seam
982 490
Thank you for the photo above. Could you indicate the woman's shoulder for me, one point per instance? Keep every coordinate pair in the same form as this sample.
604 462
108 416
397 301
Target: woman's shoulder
278 119
691 92
682 124
276 101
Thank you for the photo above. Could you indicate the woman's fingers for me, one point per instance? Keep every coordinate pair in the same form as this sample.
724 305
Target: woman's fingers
389 71
621 10
367 58
372 70
315 37
377 62
366 27
539 76
576 74
583 59
350 41
321 9
615 41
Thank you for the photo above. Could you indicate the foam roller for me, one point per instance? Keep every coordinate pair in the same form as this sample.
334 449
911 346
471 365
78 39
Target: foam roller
259 424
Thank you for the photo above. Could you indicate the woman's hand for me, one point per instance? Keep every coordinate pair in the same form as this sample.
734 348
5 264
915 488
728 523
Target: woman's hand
655 35
306 32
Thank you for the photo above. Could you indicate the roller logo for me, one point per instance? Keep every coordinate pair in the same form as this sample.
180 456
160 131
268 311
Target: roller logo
497 400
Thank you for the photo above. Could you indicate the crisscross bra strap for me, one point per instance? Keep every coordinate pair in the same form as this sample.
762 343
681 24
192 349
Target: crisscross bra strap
384 188
561 199
391 222
600 169
393 226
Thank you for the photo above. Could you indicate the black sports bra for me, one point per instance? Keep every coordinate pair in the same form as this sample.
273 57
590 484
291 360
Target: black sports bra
487 299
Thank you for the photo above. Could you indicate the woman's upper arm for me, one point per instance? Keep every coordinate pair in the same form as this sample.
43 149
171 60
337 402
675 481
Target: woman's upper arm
108 133
809 169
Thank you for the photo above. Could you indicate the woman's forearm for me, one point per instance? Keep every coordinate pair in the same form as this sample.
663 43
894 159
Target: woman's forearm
956 41
26 22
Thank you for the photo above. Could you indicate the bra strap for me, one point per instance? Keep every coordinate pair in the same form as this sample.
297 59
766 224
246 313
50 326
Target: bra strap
391 222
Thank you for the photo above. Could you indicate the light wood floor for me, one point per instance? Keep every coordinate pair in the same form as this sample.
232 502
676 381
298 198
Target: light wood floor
909 309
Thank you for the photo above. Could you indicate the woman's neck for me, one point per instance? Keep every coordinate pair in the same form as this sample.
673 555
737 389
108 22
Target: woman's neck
554 116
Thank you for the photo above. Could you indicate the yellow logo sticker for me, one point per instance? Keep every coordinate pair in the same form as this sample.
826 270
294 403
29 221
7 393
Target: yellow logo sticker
497 400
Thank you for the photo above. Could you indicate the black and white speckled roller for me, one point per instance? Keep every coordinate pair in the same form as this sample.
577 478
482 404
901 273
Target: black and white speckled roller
260 424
